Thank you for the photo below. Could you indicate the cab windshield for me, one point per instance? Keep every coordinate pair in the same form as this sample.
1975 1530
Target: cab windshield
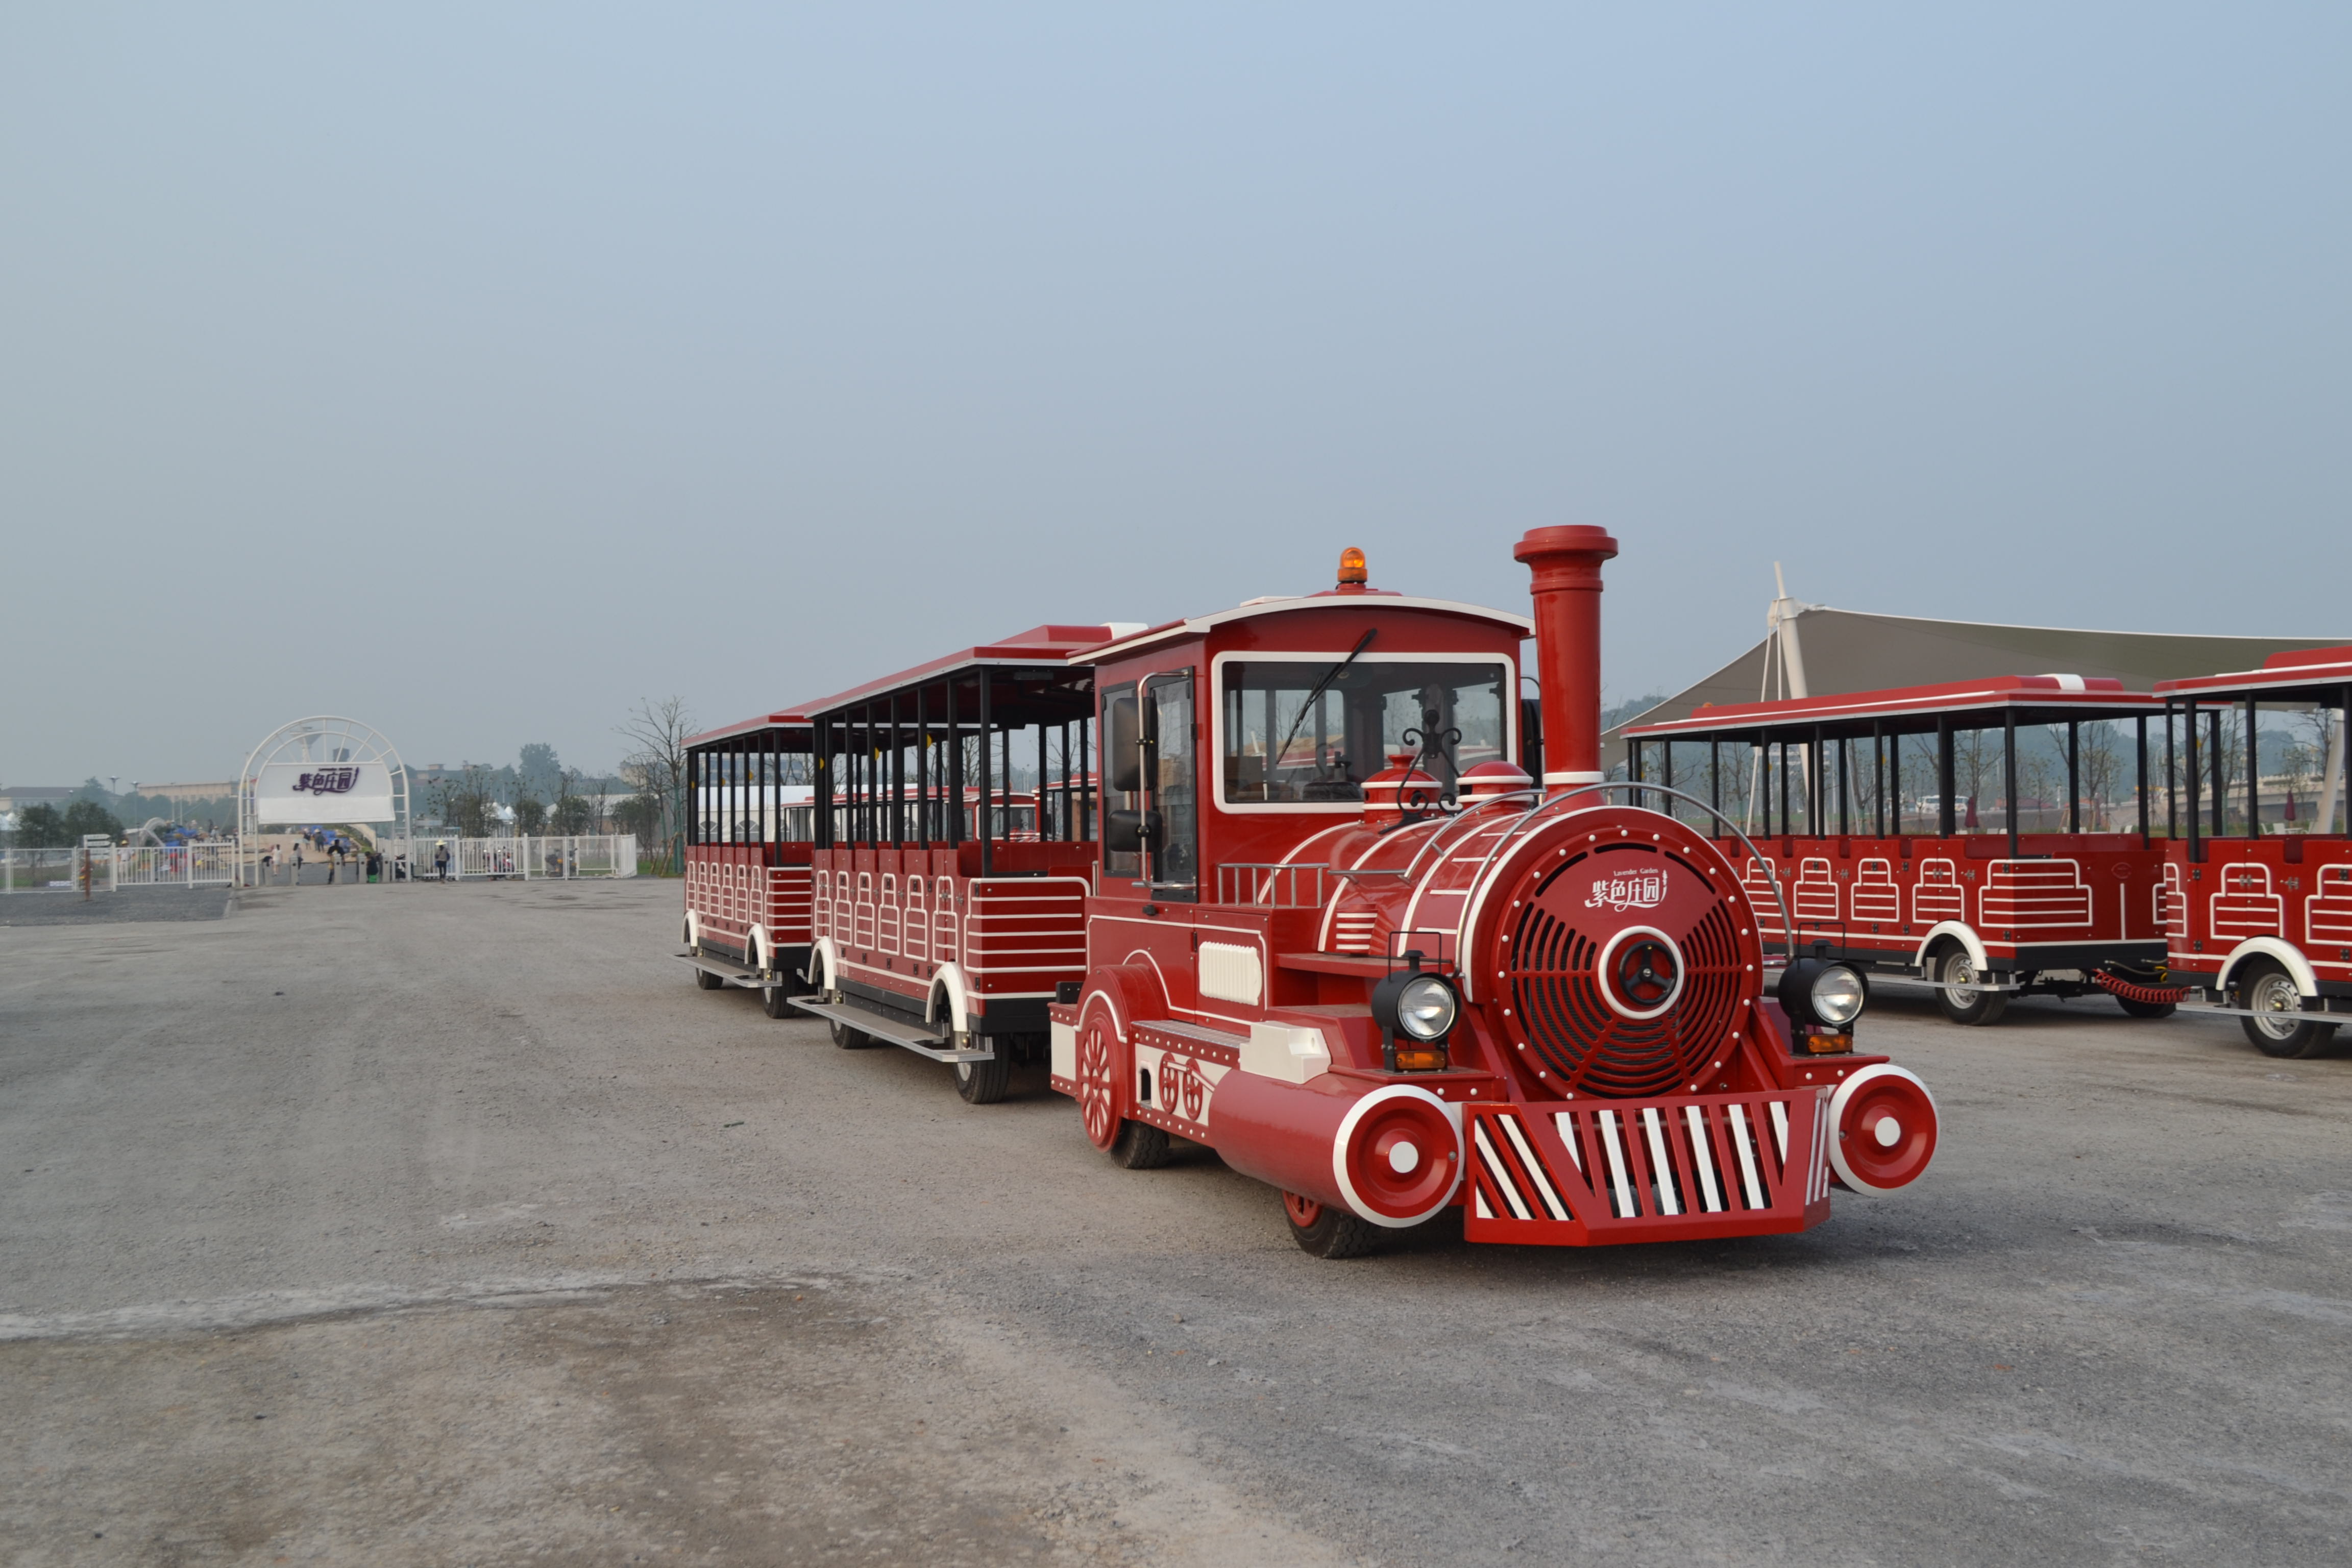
1310 731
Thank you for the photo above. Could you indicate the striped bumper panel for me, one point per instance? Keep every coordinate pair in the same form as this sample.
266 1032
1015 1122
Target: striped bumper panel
1588 1171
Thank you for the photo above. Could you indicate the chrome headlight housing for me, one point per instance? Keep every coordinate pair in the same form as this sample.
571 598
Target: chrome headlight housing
1819 993
1416 1004
1426 1008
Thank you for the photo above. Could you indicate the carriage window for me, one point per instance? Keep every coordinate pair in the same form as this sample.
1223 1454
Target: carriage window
1122 782
1312 732
1173 764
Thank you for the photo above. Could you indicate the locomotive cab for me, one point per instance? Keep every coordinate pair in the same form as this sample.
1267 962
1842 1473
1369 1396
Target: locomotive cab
1339 934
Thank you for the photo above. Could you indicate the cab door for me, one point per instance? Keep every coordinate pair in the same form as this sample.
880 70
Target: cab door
1173 778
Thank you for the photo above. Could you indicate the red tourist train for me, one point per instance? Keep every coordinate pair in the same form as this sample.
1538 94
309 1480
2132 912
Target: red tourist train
1318 918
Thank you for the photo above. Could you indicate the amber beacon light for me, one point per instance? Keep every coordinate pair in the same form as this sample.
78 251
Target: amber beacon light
1352 567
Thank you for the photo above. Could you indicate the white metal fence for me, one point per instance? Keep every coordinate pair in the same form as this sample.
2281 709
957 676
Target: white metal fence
210 864
22 870
225 863
555 858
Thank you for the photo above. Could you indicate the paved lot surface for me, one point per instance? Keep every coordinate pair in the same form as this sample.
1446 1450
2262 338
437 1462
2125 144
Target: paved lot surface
66 906
431 1225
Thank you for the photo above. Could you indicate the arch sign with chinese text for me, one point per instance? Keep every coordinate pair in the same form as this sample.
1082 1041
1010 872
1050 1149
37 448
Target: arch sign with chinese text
321 770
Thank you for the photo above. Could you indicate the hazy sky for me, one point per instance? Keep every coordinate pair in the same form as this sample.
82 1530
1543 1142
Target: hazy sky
476 372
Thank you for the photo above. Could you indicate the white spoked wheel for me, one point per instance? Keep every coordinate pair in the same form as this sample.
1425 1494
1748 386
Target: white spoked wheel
1965 999
2279 1027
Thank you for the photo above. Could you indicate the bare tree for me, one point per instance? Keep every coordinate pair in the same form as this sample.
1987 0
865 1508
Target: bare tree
465 802
2037 780
2102 775
570 814
1976 760
657 768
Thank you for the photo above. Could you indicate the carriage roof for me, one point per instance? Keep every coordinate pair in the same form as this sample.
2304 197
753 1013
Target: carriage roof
1989 702
2301 675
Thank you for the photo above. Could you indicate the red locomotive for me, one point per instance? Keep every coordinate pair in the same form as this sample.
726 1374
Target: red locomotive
2262 919
1979 916
1320 920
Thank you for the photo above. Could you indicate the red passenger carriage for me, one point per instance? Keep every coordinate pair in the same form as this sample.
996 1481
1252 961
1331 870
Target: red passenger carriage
2262 918
2057 908
946 931
749 825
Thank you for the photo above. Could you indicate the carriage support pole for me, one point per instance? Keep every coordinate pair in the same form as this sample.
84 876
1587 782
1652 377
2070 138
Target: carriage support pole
2009 774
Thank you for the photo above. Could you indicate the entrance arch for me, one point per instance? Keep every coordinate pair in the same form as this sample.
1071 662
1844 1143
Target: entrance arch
325 768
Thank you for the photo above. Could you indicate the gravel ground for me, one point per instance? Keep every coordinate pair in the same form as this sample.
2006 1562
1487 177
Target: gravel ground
453 1225
67 907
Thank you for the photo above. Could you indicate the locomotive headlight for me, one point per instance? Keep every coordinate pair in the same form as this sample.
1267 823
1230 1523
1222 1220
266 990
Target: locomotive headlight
1820 995
1838 996
1426 1008
1415 1011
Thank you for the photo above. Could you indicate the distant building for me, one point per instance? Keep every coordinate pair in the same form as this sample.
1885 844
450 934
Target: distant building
17 798
183 791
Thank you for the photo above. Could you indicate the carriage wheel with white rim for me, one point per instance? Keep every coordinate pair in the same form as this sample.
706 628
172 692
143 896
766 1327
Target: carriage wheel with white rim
1968 1004
2281 1027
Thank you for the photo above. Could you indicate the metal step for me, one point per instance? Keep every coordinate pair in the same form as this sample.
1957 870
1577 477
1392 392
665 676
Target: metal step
727 968
883 1026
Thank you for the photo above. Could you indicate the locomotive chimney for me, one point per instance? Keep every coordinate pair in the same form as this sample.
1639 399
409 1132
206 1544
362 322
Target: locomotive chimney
1565 566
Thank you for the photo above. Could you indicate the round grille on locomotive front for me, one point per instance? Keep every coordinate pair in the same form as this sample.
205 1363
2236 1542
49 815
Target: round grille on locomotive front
1624 957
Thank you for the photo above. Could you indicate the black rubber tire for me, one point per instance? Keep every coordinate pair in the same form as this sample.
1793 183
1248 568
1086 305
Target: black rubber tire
1333 1232
984 1083
1139 1146
1985 1007
706 981
2263 981
774 1003
847 1039
2148 1009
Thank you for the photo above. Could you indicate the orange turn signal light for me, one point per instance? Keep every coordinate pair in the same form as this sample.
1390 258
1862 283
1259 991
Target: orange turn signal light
1351 566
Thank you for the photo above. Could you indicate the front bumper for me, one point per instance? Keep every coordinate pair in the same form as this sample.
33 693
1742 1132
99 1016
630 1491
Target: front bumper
1595 1172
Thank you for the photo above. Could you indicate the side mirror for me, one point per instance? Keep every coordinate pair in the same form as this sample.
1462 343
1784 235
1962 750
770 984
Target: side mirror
1123 743
1129 832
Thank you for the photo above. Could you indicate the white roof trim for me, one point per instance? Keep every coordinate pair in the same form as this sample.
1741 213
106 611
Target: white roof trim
1282 604
1862 705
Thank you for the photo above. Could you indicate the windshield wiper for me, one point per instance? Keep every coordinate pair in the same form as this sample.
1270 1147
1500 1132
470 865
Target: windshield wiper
1314 692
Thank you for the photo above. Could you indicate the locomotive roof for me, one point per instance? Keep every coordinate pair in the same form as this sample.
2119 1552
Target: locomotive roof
1142 637
2309 674
2034 699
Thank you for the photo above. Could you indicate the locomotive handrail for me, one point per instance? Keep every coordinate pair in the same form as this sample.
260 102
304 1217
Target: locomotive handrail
1267 878
1788 924
1469 812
